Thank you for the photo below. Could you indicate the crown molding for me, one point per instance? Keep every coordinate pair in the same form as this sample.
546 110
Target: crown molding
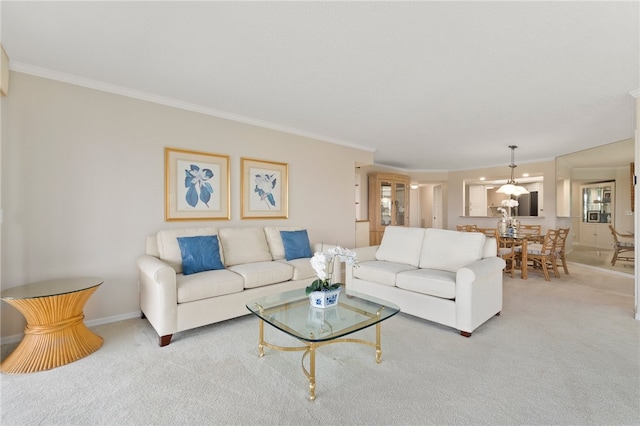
136 94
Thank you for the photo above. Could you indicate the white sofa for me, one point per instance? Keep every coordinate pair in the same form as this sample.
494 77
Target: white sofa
254 265
449 277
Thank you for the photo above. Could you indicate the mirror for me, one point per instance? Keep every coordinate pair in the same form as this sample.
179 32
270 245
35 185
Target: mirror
611 162
481 198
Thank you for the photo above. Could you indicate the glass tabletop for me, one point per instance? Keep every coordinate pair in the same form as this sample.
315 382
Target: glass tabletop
291 312
50 288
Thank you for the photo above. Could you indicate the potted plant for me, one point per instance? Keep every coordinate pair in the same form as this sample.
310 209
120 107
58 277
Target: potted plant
322 292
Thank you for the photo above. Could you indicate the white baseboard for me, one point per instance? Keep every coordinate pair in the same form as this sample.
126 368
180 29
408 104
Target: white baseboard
91 323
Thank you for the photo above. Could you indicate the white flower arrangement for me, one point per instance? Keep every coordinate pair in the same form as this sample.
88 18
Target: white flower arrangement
323 263
510 203
507 205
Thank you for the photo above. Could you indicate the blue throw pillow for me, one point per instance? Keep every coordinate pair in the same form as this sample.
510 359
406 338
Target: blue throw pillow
200 253
296 244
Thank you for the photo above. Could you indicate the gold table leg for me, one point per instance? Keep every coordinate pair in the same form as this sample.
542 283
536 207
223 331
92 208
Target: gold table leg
312 371
310 350
55 334
378 345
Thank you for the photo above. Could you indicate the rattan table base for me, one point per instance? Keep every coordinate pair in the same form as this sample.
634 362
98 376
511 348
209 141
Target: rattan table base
55 334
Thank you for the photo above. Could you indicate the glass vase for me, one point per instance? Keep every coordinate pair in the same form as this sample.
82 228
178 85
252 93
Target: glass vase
515 225
503 226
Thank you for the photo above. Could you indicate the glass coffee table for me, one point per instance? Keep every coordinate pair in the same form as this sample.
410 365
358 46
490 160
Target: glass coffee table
291 313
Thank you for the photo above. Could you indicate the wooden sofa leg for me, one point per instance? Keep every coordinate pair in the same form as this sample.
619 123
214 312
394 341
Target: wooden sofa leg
142 315
165 340
498 314
465 333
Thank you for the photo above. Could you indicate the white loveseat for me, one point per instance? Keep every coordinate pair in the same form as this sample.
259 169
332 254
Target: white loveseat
449 277
253 265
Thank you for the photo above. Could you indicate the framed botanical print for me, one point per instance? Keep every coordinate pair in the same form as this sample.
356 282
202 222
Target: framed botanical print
196 185
265 189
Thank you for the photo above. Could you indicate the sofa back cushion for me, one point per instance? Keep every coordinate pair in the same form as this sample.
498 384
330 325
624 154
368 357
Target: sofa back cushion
244 245
490 248
168 248
274 239
401 244
450 250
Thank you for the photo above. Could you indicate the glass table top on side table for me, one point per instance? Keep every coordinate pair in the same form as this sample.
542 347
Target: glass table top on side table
291 313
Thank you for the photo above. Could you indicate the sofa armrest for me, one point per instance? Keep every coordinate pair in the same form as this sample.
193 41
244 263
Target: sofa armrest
366 254
363 254
480 269
158 293
478 292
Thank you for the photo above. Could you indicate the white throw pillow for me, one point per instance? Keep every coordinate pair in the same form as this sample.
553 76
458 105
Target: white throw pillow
168 248
274 239
401 244
244 245
450 250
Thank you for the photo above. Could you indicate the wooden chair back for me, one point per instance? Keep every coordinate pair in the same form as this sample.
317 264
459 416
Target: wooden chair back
561 244
622 243
489 232
531 230
506 250
543 254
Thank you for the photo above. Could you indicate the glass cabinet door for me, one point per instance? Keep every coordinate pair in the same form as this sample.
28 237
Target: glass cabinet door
597 203
385 203
400 203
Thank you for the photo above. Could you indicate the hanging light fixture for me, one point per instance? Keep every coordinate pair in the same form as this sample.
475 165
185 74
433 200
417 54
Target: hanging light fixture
512 187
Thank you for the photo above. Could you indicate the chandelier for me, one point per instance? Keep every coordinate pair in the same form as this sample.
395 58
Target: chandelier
512 187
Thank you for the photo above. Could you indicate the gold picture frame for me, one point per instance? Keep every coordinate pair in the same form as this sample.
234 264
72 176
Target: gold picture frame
265 189
196 185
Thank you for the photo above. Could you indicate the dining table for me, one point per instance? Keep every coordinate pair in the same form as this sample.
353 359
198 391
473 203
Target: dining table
521 239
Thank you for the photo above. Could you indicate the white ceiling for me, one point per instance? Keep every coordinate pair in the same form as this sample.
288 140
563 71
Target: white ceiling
426 85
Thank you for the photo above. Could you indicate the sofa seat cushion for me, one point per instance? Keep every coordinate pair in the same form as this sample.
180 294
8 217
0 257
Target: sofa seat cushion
302 268
259 274
244 245
207 284
380 272
450 250
432 282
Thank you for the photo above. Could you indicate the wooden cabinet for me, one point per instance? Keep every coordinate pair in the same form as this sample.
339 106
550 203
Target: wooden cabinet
388 203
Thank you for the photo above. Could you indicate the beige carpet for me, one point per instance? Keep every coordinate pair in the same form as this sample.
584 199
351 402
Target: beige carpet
563 352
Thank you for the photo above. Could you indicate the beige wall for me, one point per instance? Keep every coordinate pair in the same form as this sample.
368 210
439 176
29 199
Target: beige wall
83 185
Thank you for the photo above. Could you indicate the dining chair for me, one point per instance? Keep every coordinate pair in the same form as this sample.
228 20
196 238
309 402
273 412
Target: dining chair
466 228
533 232
622 243
542 255
560 254
506 250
